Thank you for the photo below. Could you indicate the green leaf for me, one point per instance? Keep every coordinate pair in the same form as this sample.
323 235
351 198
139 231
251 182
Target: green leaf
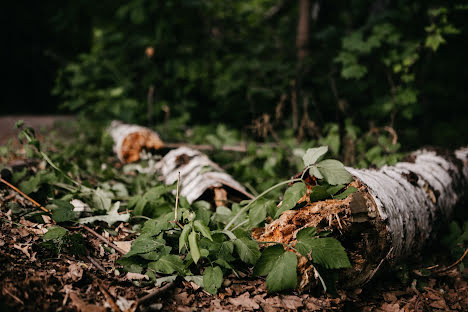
257 212
156 226
184 236
332 190
193 244
247 250
334 172
306 233
54 232
168 264
110 218
314 154
197 279
203 229
291 196
63 212
318 193
328 252
268 259
313 171
144 244
212 279
102 199
283 274
350 190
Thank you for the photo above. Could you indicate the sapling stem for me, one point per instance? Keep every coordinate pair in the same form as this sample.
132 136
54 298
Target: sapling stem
244 209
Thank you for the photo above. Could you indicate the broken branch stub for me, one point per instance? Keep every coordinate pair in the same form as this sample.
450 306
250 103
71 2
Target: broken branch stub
396 210
130 140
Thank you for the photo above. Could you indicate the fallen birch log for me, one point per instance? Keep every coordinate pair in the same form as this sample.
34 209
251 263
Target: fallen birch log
130 140
396 210
199 176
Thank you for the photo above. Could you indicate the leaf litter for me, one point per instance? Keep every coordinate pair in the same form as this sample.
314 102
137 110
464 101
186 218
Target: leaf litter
34 277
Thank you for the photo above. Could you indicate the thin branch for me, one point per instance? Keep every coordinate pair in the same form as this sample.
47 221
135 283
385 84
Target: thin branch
155 293
25 196
244 209
102 238
96 264
453 264
177 203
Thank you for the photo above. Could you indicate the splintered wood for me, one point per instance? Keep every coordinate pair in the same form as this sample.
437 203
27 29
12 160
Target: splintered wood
130 140
394 212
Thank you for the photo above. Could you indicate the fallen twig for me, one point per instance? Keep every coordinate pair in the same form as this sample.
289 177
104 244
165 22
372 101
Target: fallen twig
155 293
25 196
453 264
105 240
96 264
109 298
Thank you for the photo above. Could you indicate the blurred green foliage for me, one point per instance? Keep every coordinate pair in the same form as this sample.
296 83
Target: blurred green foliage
385 63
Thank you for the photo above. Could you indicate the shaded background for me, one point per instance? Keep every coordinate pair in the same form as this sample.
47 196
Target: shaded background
316 68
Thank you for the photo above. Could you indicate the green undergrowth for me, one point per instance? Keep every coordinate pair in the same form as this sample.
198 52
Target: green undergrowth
200 243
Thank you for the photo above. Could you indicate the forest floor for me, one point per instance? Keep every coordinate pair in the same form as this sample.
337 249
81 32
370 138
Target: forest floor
32 278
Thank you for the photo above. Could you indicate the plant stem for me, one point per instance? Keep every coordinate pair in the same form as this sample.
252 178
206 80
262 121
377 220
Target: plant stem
244 209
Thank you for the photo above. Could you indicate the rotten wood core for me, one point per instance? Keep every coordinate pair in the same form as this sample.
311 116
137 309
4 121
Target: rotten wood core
395 211
131 140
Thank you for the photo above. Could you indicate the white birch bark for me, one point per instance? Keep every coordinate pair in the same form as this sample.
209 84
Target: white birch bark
412 209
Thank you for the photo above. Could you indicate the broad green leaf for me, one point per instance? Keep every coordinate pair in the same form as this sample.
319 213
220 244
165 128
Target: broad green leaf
313 171
268 259
334 172
102 199
283 274
145 244
54 232
247 250
314 154
156 226
291 196
222 214
193 245
197 279
110 218
328 252
203 229
212 279
63 211
306 233
184 236
350 190
332 190
203 211
168 264
318 193
132 264
257 212
166 279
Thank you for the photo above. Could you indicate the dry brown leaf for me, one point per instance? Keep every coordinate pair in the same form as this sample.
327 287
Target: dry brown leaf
82 306
244 301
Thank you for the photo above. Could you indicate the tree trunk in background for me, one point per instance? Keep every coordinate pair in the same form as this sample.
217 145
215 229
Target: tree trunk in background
303 30
396 210
302 38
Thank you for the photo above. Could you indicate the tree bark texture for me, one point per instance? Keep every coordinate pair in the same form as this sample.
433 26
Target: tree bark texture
396 210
